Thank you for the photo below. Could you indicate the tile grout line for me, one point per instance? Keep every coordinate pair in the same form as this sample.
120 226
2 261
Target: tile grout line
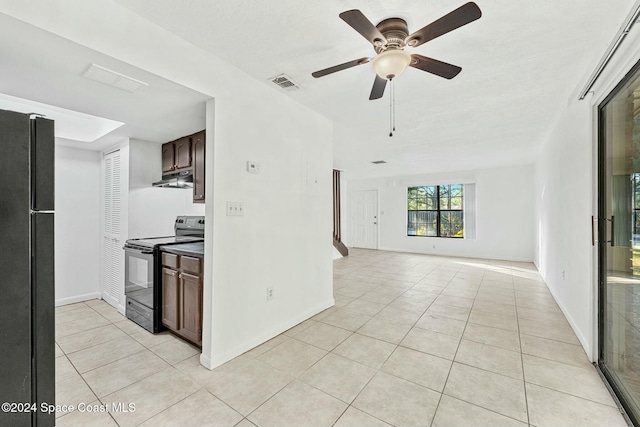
614 406
92 346
378 370
456 353
524 379
181 400
100 399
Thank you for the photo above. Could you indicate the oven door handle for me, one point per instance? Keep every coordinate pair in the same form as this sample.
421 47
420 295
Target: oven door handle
126 248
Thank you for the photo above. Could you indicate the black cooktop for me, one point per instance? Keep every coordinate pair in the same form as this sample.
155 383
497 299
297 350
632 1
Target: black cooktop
152 242
190 248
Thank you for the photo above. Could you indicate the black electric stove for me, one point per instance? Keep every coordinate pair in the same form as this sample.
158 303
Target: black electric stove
143 269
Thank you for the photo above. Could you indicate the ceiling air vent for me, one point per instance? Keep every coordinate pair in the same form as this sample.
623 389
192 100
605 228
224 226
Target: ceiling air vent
378 162
285 82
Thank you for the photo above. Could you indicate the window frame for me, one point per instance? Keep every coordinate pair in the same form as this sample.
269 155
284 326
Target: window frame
438 211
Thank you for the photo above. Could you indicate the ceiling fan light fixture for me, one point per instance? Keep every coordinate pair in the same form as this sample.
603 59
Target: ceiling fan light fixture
390 63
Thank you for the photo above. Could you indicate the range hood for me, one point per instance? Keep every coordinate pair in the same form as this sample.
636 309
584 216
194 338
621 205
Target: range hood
183 179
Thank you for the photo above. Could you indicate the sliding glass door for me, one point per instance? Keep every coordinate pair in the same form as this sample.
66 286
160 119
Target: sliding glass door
619 241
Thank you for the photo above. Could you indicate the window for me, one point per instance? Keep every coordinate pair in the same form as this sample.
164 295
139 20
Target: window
435 211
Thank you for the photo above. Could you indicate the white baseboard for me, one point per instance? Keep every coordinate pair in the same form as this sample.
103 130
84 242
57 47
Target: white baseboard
453 254
77 298
220 359
206 361
586 344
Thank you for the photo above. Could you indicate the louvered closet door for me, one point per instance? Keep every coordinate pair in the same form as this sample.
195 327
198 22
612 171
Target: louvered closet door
113 278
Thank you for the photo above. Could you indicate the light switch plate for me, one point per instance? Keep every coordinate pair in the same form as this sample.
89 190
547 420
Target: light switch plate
235 209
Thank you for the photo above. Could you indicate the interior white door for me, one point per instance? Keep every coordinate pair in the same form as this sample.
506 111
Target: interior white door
365 219
113 258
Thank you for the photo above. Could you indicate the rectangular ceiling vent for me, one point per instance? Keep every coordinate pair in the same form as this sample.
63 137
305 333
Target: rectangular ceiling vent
378 162
113 78
285 82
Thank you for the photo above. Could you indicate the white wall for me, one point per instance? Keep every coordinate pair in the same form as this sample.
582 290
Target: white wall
77 224
153 210
563 174
284 238
566 197
504 213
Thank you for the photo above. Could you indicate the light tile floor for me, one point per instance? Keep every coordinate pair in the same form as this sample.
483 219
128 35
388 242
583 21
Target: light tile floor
413 340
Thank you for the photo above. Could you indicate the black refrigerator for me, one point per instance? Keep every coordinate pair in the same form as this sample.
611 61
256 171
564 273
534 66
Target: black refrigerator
27 331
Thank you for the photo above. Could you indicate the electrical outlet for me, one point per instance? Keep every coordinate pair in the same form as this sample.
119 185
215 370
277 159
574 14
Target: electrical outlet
235 209
562 274
269 294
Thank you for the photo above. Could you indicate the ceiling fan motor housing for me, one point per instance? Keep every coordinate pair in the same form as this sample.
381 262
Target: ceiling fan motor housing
395 30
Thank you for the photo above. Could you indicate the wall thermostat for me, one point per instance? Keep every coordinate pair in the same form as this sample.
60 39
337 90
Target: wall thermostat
253 167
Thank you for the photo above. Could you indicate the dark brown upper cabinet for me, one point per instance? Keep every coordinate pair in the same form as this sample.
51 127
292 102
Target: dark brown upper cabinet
183 153
187 153
198 153
168 157
176 155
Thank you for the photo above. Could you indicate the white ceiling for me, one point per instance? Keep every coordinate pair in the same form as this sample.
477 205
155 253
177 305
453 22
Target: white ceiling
39 66
69 125
522 63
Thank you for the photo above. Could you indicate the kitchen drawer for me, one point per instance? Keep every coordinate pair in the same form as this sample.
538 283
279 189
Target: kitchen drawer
140 314
191 264
170 260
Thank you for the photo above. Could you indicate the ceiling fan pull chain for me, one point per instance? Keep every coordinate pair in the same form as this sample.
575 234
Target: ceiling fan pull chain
390 108
393 93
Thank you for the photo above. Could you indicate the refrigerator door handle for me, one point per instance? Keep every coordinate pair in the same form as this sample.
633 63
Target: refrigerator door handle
42 160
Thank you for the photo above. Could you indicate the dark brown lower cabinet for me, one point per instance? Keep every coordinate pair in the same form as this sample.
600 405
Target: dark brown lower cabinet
170 299
191 307
182 296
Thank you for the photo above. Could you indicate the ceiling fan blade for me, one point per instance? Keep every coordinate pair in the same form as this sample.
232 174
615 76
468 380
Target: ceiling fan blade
378 88
433 66
340 67
361 24
463 15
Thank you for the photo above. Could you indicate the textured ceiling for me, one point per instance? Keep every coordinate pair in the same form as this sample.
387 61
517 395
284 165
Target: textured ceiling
521 62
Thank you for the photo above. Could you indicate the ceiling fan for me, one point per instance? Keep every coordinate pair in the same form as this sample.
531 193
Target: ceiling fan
391 36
